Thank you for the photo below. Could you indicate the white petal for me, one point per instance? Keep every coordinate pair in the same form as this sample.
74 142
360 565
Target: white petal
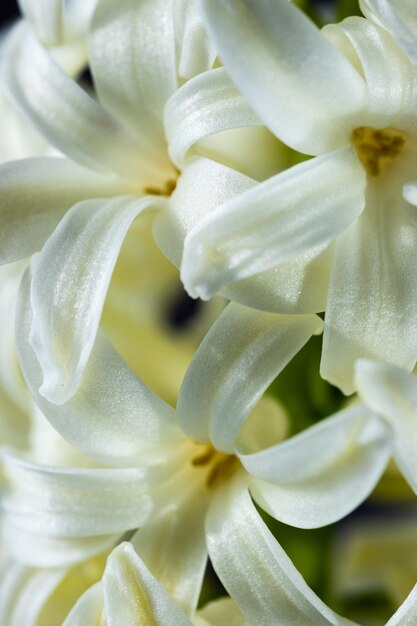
35 194
392 393
399 18
70 279
63 112
406 615
133 597
195 50
256 571
205 105
45 17
173 547
373 290
239 357
88 609
319 476
65 503
113 417
220 612
390 78
134 76
271 49
291 213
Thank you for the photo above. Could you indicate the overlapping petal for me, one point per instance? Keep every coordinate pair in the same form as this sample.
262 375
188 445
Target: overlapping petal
114 416
289 214
195 51
255 570
272 49
45 17
319 476
237 360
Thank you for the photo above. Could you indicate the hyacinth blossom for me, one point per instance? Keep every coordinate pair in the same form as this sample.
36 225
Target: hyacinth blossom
346 95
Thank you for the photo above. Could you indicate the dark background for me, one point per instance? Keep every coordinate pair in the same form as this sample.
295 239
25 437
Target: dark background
8 10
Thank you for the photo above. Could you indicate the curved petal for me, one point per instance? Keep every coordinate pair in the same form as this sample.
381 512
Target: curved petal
133 76
173 547
296 211
399 18
35 194
64 113
271 49
194 49
88 610
45 17
406 615
373 289
132 596
239 357
205 105
114 416
319 476
390 78
254 568
57 502
70 279
392 393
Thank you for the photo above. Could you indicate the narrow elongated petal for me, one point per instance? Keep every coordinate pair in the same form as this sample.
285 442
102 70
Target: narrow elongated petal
195 51
66 502
373 290
35 194
205 105
240 356
294 212
133 597
299 286
174 548
88 611
390 78
114 416
256 571
133 75
399 18
63 112
392 393
271 49
70 279
406 615
45 17
322 474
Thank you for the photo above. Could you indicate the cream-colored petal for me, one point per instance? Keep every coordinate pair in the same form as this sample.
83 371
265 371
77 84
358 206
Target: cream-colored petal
194 49
88 611
45 17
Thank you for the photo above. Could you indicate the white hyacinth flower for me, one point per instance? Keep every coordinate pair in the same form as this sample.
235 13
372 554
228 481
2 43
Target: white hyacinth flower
347 96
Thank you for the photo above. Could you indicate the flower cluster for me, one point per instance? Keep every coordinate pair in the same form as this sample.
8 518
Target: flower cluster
207 205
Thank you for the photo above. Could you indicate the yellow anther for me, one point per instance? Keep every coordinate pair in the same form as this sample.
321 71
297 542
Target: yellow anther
219 465
376 147
163 191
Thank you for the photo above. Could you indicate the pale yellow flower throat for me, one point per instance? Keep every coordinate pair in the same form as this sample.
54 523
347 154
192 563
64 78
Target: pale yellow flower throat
377 148
219 465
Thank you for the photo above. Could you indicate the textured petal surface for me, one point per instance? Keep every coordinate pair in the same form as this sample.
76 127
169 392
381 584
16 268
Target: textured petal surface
392 393
194 49
319 476
133 76
133 597
35 194
399 18
114 416
70 279
60 502
205 105
276 221
64 113
45 17
390 78
373 290
256 571
239 357
272 48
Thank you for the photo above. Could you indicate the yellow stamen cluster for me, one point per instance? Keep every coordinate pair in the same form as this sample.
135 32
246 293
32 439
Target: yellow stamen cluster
220 465
377 147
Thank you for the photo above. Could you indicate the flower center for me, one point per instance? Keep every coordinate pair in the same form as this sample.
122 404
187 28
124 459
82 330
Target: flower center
376 148
166 190
219 465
